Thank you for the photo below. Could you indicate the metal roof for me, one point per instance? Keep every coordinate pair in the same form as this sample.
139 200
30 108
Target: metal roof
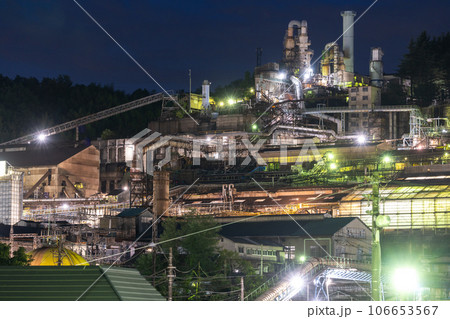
39 156
68 283
402 192
298 228
130 285
132 212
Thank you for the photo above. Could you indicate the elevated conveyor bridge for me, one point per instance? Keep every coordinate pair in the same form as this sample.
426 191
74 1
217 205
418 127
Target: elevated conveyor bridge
317 271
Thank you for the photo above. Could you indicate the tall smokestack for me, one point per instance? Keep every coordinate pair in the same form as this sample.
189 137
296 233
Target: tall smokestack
376 68
348 39
205 94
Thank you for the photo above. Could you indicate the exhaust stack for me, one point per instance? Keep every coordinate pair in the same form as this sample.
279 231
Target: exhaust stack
348 39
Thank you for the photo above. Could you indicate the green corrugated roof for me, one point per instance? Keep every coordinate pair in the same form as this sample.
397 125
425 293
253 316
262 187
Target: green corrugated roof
130 285
50 283
131 212
67 283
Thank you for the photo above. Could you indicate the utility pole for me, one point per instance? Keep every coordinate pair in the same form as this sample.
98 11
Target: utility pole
190 84
170 274
242 288
262 265
59 243
376 247
11 241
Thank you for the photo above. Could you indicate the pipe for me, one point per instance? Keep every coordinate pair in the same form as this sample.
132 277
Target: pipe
298 90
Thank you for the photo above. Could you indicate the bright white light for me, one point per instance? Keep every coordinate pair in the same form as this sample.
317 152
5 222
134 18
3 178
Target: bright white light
297 282
406 280
361 139
444 131
125 188
42 137
281 75
308 73
65 206
208 139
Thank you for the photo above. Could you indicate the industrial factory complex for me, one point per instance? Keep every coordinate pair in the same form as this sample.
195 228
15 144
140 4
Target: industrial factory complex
307 171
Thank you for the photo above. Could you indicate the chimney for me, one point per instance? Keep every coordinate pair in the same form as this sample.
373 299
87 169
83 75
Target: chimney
205 94
376 68
348 39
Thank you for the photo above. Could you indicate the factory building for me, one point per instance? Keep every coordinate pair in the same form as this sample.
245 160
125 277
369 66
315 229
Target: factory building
57 172
362 98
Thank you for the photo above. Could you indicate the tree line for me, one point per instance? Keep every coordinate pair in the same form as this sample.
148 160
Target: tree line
427 64
28 105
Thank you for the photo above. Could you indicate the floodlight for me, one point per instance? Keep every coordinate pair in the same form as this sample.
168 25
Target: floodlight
281 75
333 166
42 137
297 282
361 139
406 279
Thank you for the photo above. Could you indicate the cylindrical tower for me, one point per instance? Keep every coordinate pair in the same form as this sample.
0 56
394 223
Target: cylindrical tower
160 192
348 39
205 94
376 68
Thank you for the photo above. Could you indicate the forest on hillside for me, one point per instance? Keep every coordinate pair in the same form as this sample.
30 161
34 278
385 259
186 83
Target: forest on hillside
427 64
28 105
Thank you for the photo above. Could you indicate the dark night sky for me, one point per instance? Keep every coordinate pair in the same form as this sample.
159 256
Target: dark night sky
216 39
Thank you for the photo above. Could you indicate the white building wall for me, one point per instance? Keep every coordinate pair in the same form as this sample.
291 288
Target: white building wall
11 198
